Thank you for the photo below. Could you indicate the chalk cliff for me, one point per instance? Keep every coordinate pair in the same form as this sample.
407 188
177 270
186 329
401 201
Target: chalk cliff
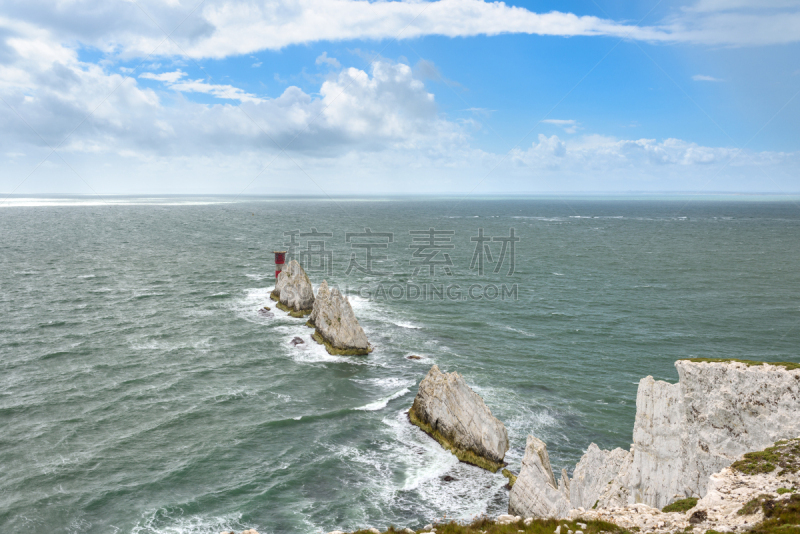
293 290
336 325
535 493
683 433
447 409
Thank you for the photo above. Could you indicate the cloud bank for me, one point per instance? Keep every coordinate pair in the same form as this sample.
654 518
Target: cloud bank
223 28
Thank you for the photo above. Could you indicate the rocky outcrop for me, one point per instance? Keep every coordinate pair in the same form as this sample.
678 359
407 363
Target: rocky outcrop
535 493
716 412
593 479
683 433
293 291
735 500
448 410
336 325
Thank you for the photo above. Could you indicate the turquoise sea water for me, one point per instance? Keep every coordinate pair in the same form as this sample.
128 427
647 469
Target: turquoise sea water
141 391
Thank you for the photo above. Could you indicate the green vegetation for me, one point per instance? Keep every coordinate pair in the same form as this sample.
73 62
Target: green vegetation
782 517
789 366
781 491
281 306
538 526
752 506
784 454
337 351
682 505
512 478
464 455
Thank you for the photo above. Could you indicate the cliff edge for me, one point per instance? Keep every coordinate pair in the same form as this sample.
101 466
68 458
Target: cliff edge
683 433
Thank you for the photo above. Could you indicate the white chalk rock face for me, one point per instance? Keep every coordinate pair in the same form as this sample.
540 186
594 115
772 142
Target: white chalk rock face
293 288
447 409
336 324
535 493
688 431
656 475
592 480
683 434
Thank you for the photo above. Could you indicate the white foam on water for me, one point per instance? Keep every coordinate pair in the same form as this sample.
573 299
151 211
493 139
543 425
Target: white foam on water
403 324
382 403
259 277
473 491
517 330
311 351
391 382
174 522
203 343
253 299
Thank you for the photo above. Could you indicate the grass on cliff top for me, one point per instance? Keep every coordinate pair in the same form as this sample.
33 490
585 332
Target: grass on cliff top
681 505
464 455
784 454
789 366
538 526
780 517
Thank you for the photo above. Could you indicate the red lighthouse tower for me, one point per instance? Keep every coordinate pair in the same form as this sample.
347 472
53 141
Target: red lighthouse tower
280 259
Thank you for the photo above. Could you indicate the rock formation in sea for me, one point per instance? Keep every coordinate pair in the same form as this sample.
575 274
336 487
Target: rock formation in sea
683 433
336 325
450 412
293 291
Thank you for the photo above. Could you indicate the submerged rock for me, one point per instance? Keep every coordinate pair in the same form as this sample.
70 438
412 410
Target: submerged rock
336 325
293 291
535 493
297 341
450 412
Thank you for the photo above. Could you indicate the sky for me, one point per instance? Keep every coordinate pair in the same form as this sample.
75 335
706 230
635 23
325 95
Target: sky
344 97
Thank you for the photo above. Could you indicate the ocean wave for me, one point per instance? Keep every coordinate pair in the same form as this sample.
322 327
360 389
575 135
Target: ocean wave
517 330
382 403
473 491
403 324
391 382
173 521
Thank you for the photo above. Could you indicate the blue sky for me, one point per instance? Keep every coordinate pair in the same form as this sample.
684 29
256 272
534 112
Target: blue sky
452 96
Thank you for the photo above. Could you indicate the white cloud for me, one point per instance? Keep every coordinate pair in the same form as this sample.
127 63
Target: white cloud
323 59
227 92
168 77
704 78
609 152
222 28
362 131
570 126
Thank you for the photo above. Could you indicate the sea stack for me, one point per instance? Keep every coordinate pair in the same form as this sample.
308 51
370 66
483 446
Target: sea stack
455 416
293 291
336 325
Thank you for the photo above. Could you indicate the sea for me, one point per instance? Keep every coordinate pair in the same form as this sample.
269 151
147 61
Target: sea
144 389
